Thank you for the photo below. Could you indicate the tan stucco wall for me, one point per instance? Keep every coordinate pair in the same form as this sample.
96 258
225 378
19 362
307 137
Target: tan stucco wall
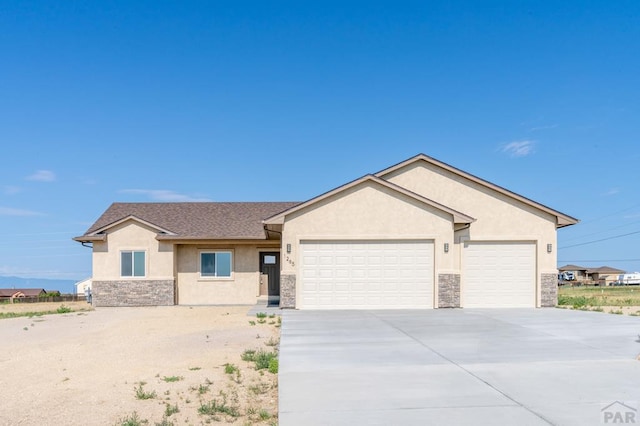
499 217
368 211
241 288
132 235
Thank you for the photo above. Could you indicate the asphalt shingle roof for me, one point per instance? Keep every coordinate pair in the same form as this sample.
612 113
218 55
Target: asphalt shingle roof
605 270
198 220
28 292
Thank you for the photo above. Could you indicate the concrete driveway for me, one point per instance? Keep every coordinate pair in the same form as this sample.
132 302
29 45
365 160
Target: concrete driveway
458 366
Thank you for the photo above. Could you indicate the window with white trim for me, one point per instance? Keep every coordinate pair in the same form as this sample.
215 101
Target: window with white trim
132 263
216 264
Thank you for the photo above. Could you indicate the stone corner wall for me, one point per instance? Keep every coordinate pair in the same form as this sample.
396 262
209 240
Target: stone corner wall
549 290
133 293
448 290
288 291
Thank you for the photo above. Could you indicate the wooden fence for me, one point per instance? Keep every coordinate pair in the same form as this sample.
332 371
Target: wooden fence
61 298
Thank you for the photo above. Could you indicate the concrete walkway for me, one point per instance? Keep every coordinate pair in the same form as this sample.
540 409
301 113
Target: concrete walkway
458 367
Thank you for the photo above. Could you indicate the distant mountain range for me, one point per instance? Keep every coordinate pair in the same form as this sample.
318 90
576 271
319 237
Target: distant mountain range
63 286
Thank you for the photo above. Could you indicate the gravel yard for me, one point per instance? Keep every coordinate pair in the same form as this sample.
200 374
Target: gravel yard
177 365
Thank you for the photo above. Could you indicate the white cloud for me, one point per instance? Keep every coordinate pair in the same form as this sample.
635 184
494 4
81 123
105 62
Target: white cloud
538 128
11 190
612 191
519 148
163 195
8 211
42 176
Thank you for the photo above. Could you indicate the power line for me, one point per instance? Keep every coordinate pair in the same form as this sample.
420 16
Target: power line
600 232
610 214
600 240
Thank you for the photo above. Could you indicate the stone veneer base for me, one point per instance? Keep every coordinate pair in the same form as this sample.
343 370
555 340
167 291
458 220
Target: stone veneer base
133 293
448 290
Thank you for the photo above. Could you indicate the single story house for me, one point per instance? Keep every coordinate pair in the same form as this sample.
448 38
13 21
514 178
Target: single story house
12 293
579 272
603 275
419 234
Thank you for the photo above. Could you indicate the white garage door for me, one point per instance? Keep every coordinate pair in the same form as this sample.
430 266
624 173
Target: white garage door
499 275
366 274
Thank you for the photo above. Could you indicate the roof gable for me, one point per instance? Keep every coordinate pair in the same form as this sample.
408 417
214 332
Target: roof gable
561 218
457 216
134 219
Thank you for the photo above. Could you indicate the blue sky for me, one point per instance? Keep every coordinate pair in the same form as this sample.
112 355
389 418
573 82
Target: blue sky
277 101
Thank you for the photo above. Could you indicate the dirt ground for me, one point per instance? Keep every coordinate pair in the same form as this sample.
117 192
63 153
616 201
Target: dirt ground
87 368
43 307
618 310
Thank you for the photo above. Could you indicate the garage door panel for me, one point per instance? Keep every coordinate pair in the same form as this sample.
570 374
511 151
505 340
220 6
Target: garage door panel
499 274
342 260
309 260
358 273
342 274
390 273
325 273
358 286
378 274
370 288
374 273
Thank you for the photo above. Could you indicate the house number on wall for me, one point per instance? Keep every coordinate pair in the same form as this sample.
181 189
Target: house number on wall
290 261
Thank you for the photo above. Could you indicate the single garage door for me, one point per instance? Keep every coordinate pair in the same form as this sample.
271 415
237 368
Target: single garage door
366 274
499 275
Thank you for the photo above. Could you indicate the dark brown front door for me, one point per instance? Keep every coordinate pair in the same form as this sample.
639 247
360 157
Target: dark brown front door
270 266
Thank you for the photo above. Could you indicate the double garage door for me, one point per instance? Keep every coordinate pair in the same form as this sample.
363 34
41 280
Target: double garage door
400 274
366 274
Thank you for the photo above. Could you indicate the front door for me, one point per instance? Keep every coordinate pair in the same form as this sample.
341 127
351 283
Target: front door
270 266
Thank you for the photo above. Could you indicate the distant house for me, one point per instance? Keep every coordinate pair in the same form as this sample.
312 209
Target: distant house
603 275
12 293
82 286
579 272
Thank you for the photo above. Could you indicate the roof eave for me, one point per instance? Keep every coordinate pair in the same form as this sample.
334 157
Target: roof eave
164 237
90 238
563 221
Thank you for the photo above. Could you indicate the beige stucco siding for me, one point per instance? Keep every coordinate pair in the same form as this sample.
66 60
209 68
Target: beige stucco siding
498 217
132 235
368 211
241 288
